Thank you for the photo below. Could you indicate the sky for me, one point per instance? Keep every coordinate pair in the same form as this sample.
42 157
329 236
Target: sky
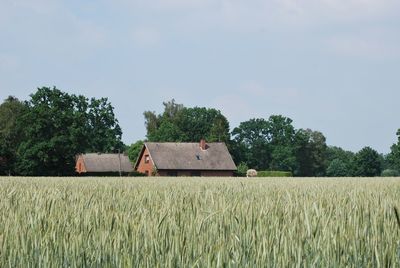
330 65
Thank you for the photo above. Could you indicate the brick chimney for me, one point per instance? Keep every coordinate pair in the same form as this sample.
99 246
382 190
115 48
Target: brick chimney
203 144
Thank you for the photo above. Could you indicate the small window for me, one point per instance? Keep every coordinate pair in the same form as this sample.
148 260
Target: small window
147 158
198 157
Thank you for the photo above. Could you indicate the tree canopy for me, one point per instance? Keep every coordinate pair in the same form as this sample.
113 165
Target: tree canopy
180 124
367 163
393 158
311 153
274 144
337 168
57 126
339 162
134 151
11 110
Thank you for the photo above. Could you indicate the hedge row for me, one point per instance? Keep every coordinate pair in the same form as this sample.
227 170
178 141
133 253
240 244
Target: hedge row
274 174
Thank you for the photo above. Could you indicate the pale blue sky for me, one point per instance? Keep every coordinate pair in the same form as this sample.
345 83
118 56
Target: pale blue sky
330 65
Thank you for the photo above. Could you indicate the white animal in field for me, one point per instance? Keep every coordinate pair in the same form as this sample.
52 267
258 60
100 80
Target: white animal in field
251 173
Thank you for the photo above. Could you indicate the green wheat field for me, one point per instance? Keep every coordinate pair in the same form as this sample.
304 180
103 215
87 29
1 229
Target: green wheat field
199 222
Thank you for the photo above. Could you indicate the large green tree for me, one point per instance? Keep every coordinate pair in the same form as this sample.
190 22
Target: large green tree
393 158
10 136
339 162
275 144
153 121
281 137
251 144
202 123
367 163
337 168
104 132
266 144
134 151
181 124
311 153
58 126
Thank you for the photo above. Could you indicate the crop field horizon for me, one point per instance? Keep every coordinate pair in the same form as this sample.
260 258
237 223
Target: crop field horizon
198 222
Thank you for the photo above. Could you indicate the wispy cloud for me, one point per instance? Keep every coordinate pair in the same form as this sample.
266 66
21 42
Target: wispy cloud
51 27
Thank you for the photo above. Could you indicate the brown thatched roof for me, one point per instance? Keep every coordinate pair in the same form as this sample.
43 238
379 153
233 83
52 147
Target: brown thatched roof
189 156
106 162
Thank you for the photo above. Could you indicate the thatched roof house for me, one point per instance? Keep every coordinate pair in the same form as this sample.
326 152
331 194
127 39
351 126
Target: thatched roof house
185 159
96 163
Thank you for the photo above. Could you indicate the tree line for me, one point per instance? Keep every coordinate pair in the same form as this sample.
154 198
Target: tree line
42 136
271 144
